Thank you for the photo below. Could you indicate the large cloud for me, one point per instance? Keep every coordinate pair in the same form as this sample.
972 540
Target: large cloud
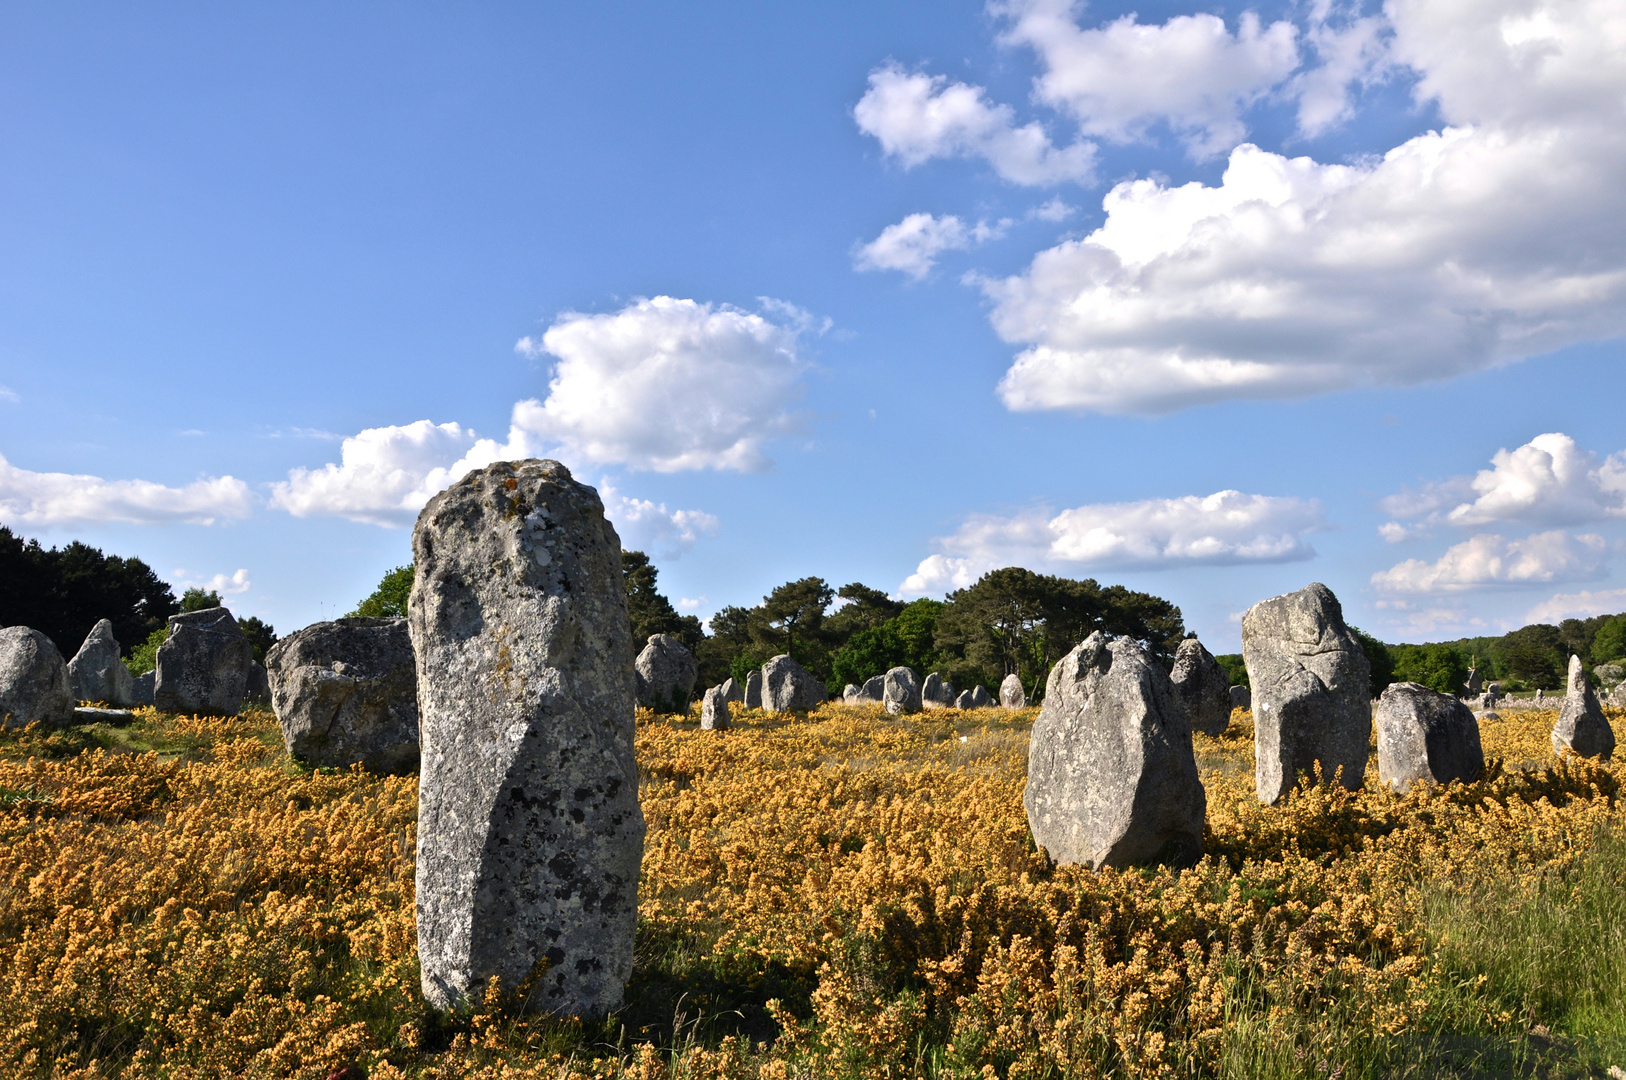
669 385
1547 481
1500 237
385 475
917 117
1578 605
1190 72
43 498
1227 527
1490 560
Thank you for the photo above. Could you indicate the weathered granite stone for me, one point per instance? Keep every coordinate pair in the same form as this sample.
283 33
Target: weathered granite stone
753 690
849 694
1201 687
97 672
529 830
204 664
733 691
1241 697
1011 694
34 685
346 692
936 693
259 685
1582 728
714 711
1311 691
1112 780
900 691
981 698
873 690
789 687
962 701
141 688
666 673
1426 735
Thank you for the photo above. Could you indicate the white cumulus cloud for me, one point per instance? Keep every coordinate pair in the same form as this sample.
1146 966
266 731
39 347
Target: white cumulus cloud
1578 605
1491 560
668 384
913 244
1227 527
1547 481
1499 237
648 526
46 498
1190 72
226 585
917 117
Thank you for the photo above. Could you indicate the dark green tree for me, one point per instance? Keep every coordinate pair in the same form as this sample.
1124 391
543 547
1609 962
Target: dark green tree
652 613
260 635
906 640
1381 660
791 619
63 592
1534 655
389 600
1609 643
1438 667
1235 669
865 609
199 599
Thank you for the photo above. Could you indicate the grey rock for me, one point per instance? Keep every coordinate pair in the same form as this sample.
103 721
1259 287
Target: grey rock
1582 728
1112 780
714 711
97 672
1540 693
873 690
963 701
936 692
346 692
1201 687
88 715
666 673
1426 735
733 691
1474 686
1011 694
753 690
259 686
849 694
900 691
1241 697
141 688
981 698
1312 691
529 830
789 687
34 685
203 666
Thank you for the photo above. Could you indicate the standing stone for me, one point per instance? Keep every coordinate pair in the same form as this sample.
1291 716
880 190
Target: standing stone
1582 728
849 694
1473 685
733 691
936 693
1112 780
753 690
1492 693
529 830
873 690
1241 697
1540 693
346 692
963 701
666 673
1201 687
34 685
900 691
789 687
203 666
1011 694
97 672
1314 684
141 688
714 711
981 698
1426 735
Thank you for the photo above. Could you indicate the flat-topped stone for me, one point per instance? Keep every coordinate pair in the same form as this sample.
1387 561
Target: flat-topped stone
1425 735
204 664
789 687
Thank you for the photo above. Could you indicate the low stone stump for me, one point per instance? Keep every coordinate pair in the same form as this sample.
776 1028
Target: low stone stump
1425 735
346 692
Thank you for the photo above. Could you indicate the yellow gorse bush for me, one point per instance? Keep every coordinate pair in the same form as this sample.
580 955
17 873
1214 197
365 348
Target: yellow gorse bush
838 895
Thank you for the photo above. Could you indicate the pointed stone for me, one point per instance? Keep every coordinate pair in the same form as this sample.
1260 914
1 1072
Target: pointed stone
97 672
873 690
936 693
1582 728
1201 687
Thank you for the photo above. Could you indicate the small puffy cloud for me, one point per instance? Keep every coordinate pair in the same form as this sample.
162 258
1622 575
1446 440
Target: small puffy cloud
234 585
42 498
1490 560
913 244
1499 237
918 117
1353 52
1226 528
385 475
1191 72
1053 210
668 384
1578 605
1547 481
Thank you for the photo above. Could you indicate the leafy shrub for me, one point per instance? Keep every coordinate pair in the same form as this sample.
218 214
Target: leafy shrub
144 657
389 600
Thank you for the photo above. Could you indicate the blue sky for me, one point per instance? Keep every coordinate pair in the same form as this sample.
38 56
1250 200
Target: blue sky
1211 301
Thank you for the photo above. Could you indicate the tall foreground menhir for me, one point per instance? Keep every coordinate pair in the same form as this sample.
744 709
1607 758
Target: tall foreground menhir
529 831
